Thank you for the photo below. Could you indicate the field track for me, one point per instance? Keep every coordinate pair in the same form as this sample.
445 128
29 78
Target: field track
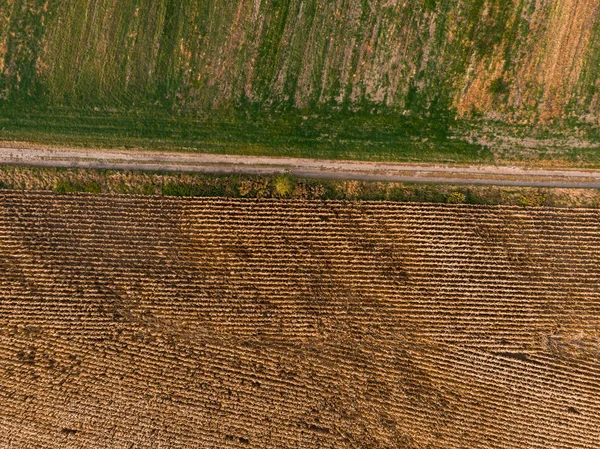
152 322
315 168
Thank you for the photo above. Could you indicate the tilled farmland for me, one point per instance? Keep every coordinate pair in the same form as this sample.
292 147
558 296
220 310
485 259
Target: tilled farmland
153 322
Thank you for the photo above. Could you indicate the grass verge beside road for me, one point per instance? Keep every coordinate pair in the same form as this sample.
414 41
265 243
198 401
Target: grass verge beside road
319 134
67 181
309 134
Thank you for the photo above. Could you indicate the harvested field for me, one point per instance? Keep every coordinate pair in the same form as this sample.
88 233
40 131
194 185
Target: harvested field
153 322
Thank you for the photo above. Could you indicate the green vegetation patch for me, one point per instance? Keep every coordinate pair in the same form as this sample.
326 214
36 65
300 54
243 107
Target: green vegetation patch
364 135
303 78
72 186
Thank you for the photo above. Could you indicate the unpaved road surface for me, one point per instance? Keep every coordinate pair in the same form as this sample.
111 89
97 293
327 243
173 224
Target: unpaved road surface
318 168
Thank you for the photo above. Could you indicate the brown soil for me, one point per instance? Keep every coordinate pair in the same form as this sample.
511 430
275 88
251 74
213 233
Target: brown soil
146 322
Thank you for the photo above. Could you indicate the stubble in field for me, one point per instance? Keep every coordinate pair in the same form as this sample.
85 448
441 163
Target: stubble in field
164 322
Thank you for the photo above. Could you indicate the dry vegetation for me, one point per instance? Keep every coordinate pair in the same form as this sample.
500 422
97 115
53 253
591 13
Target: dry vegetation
66 181
147 322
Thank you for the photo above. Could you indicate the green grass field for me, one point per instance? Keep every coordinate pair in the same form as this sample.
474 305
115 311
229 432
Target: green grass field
347 79
319 135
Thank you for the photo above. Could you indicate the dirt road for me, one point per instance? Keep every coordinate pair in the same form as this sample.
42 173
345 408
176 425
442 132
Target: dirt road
264 165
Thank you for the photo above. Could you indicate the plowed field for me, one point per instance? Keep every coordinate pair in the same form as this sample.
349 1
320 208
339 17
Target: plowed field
149 322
